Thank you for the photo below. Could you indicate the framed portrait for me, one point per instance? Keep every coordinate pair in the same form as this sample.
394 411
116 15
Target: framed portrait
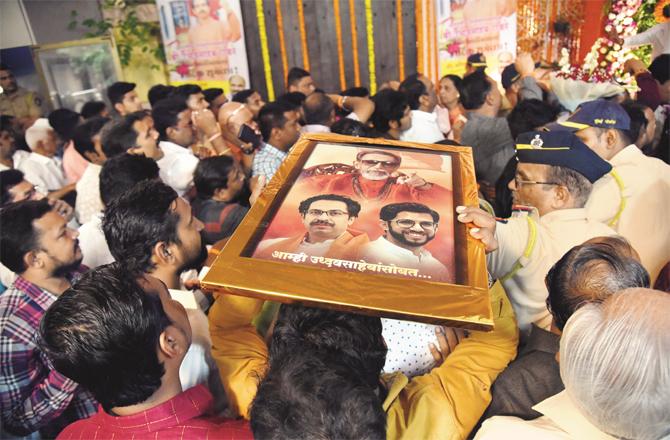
363 225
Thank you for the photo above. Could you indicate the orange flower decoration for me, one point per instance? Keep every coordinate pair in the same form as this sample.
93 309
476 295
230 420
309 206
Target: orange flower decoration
658 12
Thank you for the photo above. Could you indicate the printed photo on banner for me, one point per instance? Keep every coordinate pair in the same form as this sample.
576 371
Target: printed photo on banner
467 27
204 43
370 209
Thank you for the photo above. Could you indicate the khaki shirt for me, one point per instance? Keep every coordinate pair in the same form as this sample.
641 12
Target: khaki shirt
556 233
641 199
21 104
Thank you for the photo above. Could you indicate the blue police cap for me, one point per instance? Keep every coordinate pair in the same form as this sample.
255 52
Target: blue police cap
508 76
599 113
563 149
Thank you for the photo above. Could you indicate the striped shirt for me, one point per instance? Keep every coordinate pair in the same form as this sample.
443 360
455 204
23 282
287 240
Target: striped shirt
33 396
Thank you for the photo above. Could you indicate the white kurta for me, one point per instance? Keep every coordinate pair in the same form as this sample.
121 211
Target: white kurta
645 219
557 233
177 166
424 128
44 172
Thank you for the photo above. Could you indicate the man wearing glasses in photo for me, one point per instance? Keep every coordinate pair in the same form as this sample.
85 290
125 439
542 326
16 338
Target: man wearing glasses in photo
554 179
327 219
407 227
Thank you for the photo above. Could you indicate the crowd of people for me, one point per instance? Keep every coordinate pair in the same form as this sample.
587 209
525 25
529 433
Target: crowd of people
107 216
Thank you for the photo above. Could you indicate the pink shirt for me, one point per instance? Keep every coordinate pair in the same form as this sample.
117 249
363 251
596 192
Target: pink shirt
179 418
74 164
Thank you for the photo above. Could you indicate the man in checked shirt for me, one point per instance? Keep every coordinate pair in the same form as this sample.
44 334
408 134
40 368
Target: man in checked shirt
35 244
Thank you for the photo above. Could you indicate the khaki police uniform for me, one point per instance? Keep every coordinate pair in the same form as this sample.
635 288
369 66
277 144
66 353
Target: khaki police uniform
635 200
21 104
528 246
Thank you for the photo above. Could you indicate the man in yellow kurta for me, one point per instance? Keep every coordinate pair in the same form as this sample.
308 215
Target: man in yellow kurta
445 403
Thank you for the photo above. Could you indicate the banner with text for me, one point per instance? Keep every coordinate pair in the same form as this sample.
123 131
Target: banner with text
204 43
466 27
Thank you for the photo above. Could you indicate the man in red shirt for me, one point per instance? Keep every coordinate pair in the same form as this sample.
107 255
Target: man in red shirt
124 339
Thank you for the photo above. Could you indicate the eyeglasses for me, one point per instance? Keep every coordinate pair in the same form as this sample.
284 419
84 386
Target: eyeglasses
518 182
384 163
329 213
407 223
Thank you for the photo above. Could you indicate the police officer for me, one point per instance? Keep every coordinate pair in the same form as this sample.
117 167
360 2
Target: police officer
16 101
634 198
553 181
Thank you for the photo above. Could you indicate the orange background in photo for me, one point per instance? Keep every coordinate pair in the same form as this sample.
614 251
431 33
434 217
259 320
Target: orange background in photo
433 167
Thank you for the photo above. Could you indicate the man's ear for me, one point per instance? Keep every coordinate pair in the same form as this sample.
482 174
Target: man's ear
611 138
91 156
489 98
163 253
351 220
562 197
394 125
276 131
384 225
221 194
424 101
119 107
31 259
172 342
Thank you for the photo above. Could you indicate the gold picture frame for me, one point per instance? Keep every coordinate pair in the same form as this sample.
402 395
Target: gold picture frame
451 290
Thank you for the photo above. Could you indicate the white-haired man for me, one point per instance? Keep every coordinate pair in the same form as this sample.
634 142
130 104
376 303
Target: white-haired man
41 168
615 364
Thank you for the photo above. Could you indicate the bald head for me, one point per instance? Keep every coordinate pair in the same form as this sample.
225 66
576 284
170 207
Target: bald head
591 272
319 109
615 363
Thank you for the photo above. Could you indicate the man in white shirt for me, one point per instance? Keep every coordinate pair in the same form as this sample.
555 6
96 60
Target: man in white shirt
86 138
326 218
152 231
118 175
609 392
41 168
554 179
172 119
634 198
280 129
422 99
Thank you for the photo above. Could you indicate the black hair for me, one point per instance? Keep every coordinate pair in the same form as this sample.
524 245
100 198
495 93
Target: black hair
120 136
351 127
660 68
63 121
186 90
92 109
502 204
476 87
391 211
83 135
456 80
166 114
390 106
8 180
116 91
306 394
212 93
318 109
271 116
295 75
18 235
355 340
638 120
353 207
449 142
137 220
413 88
242 96
529 114
103 333
4 66
292 99
158 92
591 272
122 172
212 174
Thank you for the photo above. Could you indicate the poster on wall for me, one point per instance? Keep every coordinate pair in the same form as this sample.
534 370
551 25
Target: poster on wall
466 27
204 43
